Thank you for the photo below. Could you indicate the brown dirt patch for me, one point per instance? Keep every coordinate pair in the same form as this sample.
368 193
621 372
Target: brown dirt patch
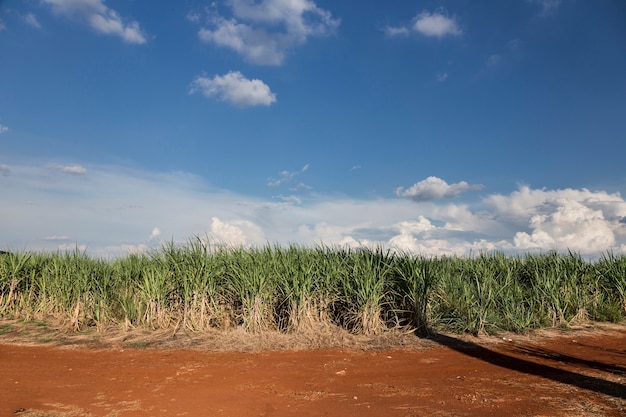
566 373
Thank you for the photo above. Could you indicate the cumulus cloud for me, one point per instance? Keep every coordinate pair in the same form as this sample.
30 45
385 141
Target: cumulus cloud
436 25
421 224
4 169
100 18
234 88
433 188
113 210
3 128
263 31
156 232
569 225
431 24
526 201
235 233
581 220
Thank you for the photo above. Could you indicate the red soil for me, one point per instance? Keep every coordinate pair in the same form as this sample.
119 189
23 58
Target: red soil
570 374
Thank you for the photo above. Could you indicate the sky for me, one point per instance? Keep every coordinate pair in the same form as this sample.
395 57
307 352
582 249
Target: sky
430 127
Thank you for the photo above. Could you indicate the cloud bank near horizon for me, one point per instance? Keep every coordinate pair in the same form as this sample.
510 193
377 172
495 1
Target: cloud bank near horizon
111 211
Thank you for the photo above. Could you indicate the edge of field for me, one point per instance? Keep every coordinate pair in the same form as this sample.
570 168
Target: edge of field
20 332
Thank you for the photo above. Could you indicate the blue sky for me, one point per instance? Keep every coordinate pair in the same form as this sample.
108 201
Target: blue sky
436 127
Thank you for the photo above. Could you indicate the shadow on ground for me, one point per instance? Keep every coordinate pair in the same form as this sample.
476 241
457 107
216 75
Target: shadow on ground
529 367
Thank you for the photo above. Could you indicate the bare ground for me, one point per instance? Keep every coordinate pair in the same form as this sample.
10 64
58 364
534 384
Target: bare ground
47 372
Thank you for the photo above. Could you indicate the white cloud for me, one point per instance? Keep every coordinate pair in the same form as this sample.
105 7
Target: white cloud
72 247
435 25
193 17
301 17
287 176
569 225
56 238
74 169
110 211
526 201
235 89
441 247
3 128
4 169
69 169
255 45
263 31
31 19
126 249
422 224
442 77
2 25
291 199
393 31
434 188
100 17
236 233
156 232
580 220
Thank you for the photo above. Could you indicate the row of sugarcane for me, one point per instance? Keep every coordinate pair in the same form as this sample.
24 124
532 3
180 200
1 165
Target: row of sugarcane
368 291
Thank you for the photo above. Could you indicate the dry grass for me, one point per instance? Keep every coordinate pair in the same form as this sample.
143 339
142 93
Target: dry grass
240 340
212 340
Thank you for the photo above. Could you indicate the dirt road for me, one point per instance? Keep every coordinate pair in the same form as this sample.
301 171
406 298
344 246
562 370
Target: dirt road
573 374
